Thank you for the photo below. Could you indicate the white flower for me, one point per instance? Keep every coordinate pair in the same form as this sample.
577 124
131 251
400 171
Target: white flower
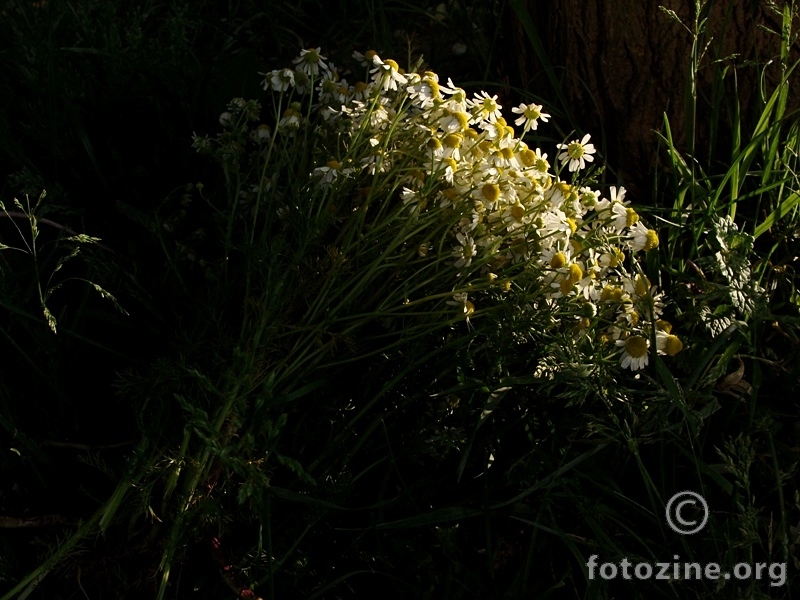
667 343
484 107
623 216
634 352
330 171
310 62
387 73
643 238
423 90
279 80
465 251
530 116
577 153
454 121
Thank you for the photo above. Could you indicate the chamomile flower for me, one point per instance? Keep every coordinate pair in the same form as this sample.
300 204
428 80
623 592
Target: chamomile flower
386 73
623 216
643 238
634 352
279 80
465 251
310 62
667 343
332 170
484 107
531 114
453 121
290 120
577 153
458 158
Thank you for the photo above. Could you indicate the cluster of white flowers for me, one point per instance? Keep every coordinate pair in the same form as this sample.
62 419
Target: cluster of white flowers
456 154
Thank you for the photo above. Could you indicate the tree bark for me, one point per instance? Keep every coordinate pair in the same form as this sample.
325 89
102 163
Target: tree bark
624 63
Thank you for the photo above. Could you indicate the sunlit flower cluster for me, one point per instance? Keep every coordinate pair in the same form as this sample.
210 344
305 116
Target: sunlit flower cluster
454 155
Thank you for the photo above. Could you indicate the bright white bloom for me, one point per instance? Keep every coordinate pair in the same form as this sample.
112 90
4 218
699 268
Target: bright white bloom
577 153
387 73
531 114
452 122
634 352
643 238
622 216
484 107
667 343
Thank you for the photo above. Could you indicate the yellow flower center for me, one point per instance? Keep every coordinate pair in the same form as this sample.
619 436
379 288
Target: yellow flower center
434 144
573 226
664 325
575 150
636 346
575 273
566 285
311 57
652 240
672 345
630 217
558 261
615 257
518 212
642 285
452 140
532 112
491 191
527 157
611 293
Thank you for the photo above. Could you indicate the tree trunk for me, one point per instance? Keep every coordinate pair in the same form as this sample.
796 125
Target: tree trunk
624 63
